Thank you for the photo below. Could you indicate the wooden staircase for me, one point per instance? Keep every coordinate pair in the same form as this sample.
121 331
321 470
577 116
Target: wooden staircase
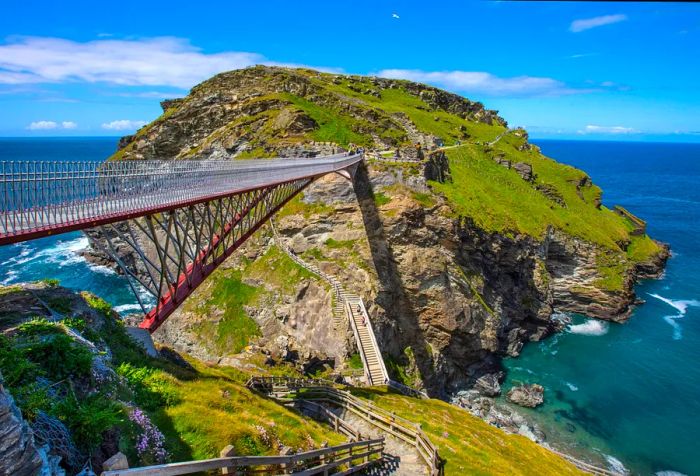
348 307
375 370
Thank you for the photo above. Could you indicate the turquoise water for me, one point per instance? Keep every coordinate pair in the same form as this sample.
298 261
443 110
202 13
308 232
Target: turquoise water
632 390
58 257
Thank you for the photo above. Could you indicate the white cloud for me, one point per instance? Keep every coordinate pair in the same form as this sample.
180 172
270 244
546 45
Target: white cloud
584 24
395 15
485 83
593 129
123 125
163 61
49 125
42 125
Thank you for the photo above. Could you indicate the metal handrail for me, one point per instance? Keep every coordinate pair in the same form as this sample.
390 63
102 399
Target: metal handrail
51 195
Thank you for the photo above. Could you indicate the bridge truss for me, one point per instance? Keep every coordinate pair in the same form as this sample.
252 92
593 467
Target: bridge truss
168 224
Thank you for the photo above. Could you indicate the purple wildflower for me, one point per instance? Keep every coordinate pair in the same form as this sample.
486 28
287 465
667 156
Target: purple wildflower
150 441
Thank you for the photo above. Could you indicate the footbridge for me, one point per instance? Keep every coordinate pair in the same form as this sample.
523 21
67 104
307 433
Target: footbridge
167 224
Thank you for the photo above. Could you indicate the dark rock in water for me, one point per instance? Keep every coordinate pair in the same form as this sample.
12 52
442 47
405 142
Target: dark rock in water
489 384
527 395
570 428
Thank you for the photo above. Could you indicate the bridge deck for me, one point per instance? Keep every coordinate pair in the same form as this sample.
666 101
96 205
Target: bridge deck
44 198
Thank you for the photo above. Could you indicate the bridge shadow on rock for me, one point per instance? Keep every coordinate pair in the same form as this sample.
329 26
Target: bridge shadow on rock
403 328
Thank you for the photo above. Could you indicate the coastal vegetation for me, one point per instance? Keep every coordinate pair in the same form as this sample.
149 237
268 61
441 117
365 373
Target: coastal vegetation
85 371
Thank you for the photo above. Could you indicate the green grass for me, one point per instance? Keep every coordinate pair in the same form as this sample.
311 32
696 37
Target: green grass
297 206
398 100
499 200
355 361
642 248
427 200
278 269
468 444
381 199
332 126
235 330
337 244
315 253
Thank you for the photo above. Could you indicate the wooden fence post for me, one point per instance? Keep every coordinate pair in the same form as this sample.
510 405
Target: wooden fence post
227 452
286 468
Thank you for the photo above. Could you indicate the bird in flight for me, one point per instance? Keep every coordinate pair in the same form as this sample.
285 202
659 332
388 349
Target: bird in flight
395 15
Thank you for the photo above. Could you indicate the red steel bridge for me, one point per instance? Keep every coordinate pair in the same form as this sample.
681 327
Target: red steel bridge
167 224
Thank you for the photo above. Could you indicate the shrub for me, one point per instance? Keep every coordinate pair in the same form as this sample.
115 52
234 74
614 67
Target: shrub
37 327
51 282
59 356
16 368
98 304
89 418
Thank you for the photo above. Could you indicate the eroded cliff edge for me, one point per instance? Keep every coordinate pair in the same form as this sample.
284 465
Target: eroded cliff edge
461 257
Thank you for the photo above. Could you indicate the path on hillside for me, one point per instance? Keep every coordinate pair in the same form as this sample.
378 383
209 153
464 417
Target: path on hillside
402 458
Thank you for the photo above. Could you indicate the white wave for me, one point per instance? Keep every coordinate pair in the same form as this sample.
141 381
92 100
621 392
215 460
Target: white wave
571 386
669 473
591 327
97 268
616 465
11 276
677 329
127 307
21 258
681 305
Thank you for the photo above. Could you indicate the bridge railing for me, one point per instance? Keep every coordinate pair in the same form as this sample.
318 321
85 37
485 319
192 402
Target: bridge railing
46 195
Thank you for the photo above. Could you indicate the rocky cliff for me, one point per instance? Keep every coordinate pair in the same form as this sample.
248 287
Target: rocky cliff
461 257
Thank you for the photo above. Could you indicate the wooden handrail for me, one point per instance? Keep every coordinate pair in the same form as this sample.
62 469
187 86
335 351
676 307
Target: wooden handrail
336 455
374 341
386 421
356 333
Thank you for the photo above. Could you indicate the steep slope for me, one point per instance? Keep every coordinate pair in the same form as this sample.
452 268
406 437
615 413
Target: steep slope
460 258
87 391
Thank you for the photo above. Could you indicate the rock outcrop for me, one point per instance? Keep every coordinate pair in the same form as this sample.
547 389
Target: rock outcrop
529 395
18 454
448 296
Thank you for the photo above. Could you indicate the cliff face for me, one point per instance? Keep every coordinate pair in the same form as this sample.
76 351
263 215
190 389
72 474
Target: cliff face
461 258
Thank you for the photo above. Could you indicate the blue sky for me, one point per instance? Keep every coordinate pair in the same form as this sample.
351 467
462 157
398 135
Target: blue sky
594 70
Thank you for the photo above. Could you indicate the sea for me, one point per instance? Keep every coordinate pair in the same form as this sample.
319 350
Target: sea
59 257
627 393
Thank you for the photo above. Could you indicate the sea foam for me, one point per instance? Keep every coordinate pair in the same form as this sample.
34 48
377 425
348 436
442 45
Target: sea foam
127 307
591 327
616 465
681 305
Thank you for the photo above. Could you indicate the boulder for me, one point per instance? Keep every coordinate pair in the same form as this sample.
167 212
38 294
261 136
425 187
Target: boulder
489 384
527 395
